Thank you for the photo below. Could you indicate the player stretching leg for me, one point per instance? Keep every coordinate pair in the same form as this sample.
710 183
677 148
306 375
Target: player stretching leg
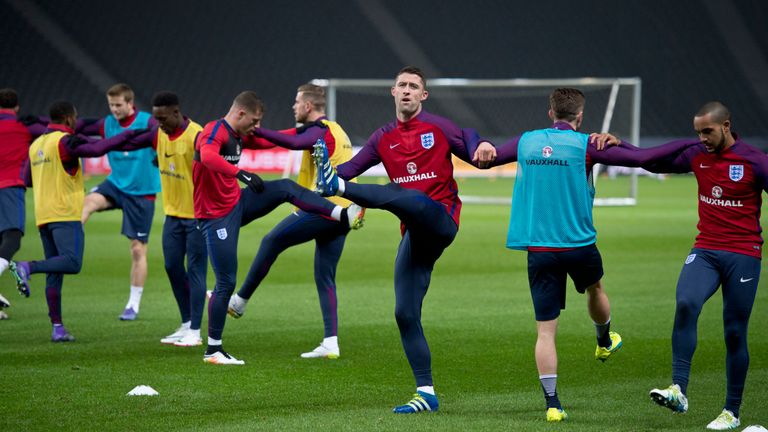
221 207
554 183
131 187
57 177
300 226
415 150
731 176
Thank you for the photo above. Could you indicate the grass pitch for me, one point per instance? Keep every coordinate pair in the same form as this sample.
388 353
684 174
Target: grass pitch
477 316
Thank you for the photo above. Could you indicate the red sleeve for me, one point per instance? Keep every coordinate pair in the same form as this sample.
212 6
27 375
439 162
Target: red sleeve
154 139
257 143
210 146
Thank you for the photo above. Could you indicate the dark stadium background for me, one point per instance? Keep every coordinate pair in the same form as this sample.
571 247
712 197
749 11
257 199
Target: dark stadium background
686 52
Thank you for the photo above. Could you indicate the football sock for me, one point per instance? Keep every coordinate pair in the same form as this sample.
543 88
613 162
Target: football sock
338 212
195 332
135 298
213 346
342 187
426 389
331 342
186 325
53 298
3 265
549 386
603 333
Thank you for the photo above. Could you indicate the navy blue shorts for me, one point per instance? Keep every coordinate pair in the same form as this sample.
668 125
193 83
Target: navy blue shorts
138 210
548 272
12 211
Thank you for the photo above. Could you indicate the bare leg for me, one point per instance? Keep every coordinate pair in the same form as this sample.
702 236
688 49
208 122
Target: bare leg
597 304
138 263
546 351
94 202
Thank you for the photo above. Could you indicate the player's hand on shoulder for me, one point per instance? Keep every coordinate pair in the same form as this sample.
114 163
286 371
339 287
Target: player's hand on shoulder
603 140
254 182
305 126
484 155
130 133
76 140
29 120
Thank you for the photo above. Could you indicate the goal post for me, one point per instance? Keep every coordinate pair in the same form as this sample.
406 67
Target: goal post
498 109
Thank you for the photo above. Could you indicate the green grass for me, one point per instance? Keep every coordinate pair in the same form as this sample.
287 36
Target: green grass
478 319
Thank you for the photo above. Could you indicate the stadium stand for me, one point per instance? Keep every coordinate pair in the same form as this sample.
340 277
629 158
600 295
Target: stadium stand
207 52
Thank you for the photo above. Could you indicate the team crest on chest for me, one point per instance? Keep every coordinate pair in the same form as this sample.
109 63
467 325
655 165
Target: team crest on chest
221 233
736 172
428 140
546 151
411 167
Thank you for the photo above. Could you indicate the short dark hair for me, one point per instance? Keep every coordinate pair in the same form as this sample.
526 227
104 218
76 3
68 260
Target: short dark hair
165 99
250 101
719 112
415 71
60 110
313 93
566 103
8 98
121 89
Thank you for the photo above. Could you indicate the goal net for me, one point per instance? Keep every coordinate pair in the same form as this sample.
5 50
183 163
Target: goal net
498 109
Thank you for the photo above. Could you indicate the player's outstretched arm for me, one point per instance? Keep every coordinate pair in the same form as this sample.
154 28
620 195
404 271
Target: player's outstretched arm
673 157
82 146
507 152
34 124
90 126
366 158
603 140
291 139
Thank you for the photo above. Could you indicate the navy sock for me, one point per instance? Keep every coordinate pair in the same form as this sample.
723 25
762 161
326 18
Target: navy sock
553 401
212 349
603 334
549 386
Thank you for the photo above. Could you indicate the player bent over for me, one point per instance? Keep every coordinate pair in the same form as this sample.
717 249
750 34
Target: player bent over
221 207
300 226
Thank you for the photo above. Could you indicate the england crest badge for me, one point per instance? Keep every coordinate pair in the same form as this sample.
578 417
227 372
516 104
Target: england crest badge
222 233
736 172
427 140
